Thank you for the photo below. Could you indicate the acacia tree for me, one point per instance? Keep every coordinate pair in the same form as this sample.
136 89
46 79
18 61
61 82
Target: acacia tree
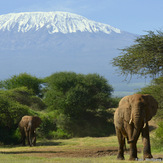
144 58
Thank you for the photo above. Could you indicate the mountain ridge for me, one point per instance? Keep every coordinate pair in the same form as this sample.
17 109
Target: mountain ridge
54 22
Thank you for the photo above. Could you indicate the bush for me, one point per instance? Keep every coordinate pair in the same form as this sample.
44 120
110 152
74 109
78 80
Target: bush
11 112
47 126
157 141
87 124
59 134
94 125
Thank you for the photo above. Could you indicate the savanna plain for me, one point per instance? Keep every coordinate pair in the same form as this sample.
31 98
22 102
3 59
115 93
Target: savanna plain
87 149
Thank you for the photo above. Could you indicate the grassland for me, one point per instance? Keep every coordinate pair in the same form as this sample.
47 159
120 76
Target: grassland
75 150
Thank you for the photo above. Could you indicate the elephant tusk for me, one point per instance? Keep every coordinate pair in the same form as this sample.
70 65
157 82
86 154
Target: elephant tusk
144 125
130 121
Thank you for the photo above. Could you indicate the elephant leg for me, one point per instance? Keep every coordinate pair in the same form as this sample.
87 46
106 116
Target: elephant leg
23 140
125 147
34 141
29 137
23 137
121 141
133 151
146 142
34 138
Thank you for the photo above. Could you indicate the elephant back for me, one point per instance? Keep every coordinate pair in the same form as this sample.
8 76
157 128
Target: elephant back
124 101
25 120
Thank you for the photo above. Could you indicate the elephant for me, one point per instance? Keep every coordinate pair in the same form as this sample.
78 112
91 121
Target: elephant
130 119
27 126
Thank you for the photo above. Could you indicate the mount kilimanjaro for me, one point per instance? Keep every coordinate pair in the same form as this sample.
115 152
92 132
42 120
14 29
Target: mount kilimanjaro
42 43
54 22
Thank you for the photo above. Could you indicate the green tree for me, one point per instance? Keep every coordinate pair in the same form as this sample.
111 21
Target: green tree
25 97
76 93
156 90
23 80
144 58
80 103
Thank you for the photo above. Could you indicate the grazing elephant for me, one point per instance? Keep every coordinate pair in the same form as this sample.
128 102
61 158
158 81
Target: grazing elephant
130 119
27 126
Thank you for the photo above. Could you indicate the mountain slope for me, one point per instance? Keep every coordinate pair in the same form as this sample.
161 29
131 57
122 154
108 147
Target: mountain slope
54 22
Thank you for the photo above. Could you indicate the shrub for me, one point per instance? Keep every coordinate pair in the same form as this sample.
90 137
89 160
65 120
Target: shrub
47 126
59 134
157 141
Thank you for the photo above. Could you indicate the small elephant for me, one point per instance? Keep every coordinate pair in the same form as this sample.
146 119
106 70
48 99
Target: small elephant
130 119
27 126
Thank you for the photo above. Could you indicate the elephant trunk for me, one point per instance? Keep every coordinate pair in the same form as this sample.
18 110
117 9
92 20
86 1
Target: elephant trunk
138 124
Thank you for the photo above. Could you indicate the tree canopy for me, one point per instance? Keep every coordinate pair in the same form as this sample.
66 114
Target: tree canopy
144 58
23 80
73 93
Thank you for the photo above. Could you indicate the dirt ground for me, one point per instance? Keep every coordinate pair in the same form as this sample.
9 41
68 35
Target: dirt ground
97 152
80 152
77 152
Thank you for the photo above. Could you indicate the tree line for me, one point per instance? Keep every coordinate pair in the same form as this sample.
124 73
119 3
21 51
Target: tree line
69 105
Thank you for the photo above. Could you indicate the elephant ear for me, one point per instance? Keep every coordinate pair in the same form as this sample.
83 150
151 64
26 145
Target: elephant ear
36 121
151 106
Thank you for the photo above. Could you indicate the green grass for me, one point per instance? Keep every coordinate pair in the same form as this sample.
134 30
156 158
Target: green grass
46 149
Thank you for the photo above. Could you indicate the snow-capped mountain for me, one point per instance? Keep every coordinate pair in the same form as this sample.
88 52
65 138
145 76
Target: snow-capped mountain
54 22
42 43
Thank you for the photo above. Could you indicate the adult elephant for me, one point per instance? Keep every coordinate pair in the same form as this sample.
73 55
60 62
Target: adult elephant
130 119
27 126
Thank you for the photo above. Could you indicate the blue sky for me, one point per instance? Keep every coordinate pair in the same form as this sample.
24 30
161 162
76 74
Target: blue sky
135 16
